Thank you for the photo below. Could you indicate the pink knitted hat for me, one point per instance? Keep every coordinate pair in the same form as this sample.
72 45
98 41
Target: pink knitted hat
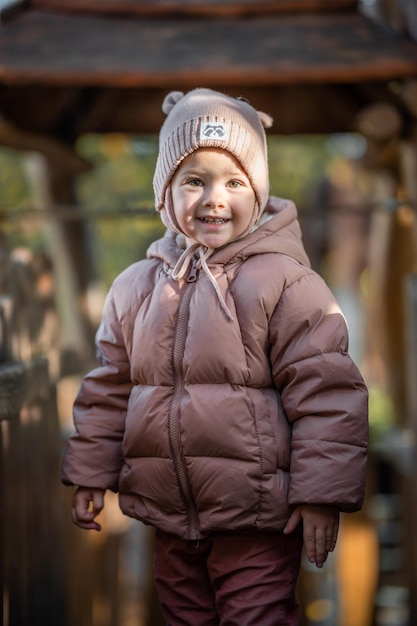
204 118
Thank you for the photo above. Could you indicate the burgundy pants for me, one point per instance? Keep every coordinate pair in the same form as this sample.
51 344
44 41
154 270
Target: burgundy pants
229 579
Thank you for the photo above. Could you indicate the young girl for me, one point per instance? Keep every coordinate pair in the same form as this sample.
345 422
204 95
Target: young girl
225 409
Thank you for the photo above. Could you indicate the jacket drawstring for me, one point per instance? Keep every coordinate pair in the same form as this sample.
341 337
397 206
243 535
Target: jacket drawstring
183 262
182 266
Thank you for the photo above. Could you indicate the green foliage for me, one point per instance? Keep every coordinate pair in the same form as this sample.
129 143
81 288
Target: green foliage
122 241
381 414
296 164
122 174
118 192
15 230
14 191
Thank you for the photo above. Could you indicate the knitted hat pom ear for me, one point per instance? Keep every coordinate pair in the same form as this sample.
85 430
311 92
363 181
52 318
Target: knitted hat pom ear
265 119
171 100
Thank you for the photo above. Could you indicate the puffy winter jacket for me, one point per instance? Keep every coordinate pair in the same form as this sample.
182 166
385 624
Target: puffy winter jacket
205 423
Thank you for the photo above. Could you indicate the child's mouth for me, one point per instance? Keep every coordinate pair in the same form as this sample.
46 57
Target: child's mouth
213 220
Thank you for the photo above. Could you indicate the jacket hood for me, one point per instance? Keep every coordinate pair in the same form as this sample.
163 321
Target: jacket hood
279 231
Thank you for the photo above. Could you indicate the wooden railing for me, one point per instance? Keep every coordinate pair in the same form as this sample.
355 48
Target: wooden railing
31 533
51 572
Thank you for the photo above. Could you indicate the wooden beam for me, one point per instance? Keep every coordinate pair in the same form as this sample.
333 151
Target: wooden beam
296 109
411 511
229 8
64 49
54 151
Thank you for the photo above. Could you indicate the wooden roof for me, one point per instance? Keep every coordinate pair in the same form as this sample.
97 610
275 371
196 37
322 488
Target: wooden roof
81 48
191 7
69 61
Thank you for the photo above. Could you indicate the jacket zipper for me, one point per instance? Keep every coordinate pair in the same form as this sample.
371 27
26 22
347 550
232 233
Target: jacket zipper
174 429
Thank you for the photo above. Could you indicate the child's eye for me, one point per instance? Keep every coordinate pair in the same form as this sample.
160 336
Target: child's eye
235 183
194 182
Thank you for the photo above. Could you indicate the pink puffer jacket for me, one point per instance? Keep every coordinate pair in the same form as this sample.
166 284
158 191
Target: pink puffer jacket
204 423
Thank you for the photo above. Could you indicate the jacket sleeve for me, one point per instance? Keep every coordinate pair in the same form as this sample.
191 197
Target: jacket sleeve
92 457
323 394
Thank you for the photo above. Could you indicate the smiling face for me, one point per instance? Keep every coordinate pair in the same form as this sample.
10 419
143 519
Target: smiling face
212 197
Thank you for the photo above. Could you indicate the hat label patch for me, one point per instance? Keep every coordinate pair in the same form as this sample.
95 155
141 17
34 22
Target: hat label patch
213 130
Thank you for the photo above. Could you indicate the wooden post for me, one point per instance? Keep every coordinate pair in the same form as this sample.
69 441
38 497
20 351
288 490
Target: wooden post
409 177
393 259
411 511
72 268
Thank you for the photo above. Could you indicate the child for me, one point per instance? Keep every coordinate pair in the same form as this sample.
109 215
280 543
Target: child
225 410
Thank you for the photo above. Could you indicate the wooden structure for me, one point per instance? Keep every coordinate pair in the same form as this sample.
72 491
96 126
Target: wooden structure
33 585
70 67
40 549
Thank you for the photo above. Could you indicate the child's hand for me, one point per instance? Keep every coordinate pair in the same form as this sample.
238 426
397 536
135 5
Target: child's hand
86 505
320 528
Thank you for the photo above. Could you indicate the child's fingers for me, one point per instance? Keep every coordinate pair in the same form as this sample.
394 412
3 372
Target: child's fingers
293 521
320 529
334 534
85 520
97 501
318 542
325 543
315 544
87 504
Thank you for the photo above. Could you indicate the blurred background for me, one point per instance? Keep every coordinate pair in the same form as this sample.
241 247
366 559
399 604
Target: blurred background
81 87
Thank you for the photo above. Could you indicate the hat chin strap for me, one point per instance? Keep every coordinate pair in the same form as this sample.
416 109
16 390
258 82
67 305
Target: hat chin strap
167 212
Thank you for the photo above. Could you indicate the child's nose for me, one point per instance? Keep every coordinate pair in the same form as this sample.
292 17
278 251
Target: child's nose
214 195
